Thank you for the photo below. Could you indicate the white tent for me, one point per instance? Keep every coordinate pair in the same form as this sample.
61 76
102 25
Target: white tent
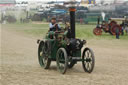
7 1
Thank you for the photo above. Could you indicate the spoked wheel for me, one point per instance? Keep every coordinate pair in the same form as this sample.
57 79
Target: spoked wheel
71 63
62 60
44 61
88 60
112 23
115 28
97 31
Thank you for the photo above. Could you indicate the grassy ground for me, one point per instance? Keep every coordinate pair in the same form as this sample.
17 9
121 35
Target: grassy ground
82 31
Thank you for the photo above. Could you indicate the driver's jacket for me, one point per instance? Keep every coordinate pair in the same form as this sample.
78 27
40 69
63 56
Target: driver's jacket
53 28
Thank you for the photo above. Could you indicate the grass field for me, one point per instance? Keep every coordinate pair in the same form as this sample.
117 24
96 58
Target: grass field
39 30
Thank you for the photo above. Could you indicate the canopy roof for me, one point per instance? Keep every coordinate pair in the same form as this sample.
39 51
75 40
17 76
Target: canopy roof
7 1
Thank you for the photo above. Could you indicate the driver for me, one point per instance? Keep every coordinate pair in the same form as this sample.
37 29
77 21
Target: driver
53 25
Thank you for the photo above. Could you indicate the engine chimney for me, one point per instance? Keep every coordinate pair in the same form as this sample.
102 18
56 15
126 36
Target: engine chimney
72 21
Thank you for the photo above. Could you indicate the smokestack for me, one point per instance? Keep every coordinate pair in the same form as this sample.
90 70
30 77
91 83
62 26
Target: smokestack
72 21
98 20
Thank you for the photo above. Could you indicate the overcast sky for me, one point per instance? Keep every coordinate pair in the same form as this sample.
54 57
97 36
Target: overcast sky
68 0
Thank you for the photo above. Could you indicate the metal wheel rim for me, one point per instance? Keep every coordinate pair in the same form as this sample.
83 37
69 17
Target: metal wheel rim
42 59
88 60
61 60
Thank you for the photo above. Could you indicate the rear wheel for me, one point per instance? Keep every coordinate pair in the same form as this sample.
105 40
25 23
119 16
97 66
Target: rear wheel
44 61
112 23
88 60
114 29
62 60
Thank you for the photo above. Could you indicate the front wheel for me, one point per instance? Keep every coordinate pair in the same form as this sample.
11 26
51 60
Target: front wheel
88 60
62 60
97 31
44 61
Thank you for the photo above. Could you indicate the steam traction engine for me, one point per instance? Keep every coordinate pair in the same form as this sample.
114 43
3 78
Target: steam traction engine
112 27
64 48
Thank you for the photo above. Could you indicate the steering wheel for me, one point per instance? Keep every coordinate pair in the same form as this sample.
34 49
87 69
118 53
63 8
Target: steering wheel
56 32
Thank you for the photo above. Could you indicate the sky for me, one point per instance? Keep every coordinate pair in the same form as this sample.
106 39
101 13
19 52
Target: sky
68 0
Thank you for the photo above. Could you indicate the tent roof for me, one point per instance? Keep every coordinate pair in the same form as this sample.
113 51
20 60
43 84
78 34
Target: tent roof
7 1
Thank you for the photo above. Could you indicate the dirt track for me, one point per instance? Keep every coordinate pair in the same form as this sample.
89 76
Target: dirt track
20 64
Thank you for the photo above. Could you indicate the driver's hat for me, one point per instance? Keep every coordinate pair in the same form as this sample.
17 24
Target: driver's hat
53 18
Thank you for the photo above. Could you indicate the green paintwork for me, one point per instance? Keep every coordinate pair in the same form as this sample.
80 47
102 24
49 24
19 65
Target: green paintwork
77 54
55 43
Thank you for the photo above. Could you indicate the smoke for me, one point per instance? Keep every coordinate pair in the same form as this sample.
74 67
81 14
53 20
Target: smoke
103 15
18 13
